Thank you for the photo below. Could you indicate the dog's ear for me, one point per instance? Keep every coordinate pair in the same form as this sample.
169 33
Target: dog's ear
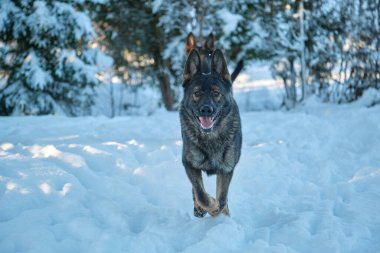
219 65
192 66
210 42
190 43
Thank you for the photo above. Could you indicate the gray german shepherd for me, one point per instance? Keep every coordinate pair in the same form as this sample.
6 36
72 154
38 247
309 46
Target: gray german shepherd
211 131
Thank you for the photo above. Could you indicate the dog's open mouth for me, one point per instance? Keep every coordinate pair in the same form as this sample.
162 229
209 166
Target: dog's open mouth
206 122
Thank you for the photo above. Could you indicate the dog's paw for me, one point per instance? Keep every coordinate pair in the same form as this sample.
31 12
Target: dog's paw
199 212
219 207
223 206
226 210
214 209
215 212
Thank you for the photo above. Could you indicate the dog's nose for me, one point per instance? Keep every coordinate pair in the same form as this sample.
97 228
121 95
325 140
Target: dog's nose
207 110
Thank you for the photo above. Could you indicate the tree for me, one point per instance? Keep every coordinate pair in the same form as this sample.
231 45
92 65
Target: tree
136 42
228 21
156 48
353 32
364 48
286 44
48 61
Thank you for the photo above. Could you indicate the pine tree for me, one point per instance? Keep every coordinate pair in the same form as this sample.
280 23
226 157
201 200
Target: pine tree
354 49
364 49
134 38
285 43
48 62
156 48
226 20
175 19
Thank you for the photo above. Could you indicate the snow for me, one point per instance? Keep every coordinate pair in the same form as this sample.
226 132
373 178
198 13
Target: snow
370 97
128 100
156 4
307 181
231 21
6 8
55 68
80 21
255 90
69 61
37 77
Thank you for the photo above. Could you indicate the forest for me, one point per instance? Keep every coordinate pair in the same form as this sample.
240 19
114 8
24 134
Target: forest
54 54
91 142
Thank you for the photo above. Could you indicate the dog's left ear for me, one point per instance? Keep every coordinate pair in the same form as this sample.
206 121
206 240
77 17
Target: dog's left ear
210 42
192 66
219 65
190 43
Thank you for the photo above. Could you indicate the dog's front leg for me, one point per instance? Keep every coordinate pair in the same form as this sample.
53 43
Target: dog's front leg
222 184
198 210
203 202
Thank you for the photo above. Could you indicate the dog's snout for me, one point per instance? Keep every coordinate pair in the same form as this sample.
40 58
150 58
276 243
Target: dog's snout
206 110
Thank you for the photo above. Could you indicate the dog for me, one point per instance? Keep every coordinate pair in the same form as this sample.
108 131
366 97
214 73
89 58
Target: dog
205 52
211 130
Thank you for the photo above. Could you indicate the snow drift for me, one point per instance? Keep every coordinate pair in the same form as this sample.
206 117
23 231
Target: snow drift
308 181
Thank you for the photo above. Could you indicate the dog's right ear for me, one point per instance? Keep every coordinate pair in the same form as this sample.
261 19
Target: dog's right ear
192 66
190 43
219 65
210 42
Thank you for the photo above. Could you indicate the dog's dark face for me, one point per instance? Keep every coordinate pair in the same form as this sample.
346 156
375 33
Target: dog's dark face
205 51
208 97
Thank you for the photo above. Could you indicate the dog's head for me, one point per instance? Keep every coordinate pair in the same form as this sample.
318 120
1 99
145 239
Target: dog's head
205 51
208 97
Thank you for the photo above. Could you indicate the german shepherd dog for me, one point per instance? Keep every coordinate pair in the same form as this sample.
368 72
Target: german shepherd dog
205 52
211 130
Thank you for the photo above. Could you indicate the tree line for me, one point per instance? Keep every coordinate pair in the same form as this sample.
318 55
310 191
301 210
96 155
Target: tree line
54 53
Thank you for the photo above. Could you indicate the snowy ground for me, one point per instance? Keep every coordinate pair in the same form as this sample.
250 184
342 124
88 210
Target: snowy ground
308 181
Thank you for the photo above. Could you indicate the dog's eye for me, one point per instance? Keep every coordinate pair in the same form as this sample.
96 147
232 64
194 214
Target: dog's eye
197 94
216 93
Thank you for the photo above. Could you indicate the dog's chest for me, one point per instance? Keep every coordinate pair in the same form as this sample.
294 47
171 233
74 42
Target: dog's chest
211 158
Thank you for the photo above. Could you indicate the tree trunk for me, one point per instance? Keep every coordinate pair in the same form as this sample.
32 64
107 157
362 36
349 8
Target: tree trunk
293 91
287 93
112 100
200 17
161 67
303 67
166 91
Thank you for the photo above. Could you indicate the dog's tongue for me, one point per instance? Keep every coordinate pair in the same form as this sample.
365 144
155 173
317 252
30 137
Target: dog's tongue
206 122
